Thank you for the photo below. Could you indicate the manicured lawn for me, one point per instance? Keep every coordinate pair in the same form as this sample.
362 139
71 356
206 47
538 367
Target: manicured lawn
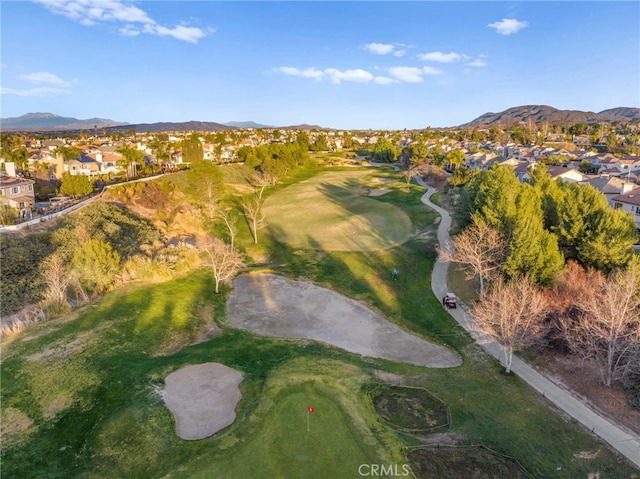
79 393
332 212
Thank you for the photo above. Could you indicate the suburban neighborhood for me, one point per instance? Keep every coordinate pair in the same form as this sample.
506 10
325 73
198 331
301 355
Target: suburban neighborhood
28 184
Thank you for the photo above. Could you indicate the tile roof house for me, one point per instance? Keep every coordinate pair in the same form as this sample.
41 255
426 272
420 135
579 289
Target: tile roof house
566 174
84 165
16 192
629 202
611 187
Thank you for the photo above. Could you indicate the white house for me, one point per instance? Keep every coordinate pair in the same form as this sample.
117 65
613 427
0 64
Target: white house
629 202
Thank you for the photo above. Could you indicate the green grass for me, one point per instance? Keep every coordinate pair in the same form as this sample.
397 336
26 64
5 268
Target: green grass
87 382
332 211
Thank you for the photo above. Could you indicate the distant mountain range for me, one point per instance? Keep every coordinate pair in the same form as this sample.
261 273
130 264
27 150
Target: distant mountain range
49 121
52 122
246 124
520 114
544 113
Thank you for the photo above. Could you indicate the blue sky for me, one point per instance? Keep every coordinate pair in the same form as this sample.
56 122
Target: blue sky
349 65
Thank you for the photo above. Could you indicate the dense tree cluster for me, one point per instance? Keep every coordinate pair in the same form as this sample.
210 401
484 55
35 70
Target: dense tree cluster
547 222
519 239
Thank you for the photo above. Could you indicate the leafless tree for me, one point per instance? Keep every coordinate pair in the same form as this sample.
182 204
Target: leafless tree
252 209
224 260
58 279
414 169
512 314
211 197
607 329
480 249
229 218
260 180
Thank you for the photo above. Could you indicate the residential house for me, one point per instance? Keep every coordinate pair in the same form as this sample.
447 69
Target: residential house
523 171
84 165
570 175
629 202
16 192
610 186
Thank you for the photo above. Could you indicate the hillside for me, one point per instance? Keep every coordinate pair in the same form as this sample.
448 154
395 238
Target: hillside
50 121
544 113
171 126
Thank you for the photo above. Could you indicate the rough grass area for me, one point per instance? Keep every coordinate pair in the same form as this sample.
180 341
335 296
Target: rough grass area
412 409
447 462
331 212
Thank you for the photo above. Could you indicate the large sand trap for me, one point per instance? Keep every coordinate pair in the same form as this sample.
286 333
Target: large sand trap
271 305
202 398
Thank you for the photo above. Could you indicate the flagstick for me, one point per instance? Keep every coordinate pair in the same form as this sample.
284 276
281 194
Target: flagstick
308 414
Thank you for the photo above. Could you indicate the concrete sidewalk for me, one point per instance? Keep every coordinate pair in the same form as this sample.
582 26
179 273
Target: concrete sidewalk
624 441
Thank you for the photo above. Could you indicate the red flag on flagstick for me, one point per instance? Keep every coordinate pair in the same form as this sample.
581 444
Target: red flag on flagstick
310 409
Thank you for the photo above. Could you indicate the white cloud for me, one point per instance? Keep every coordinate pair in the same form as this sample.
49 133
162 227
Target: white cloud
399 53
379 48
431 71
181 32
92 12
441 57
477 63
44 77
384 81
333 74
407 74
357 75
507 26
308 73
40 91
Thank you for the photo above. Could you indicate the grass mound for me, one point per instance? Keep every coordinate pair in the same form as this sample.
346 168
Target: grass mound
412 409
331 212
469 462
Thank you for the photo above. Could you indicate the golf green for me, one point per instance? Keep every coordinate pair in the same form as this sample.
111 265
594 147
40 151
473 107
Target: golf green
332 212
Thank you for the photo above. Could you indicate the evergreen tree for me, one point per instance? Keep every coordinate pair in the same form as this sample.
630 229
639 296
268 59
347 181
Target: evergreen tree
591 232
493 196
192 149
533 251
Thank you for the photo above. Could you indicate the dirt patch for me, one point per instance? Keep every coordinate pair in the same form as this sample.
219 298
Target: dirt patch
390 378
56 406
584 380
202 398
586 454
63 349
14 422
379 192
271 305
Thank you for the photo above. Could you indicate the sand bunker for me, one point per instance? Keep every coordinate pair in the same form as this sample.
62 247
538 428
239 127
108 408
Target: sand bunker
202 398
271 305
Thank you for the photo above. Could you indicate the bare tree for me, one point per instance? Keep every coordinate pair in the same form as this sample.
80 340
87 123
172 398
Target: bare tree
260 180
607 329
413 169
224 260
229 218
252 209
512 314
58 279
480 249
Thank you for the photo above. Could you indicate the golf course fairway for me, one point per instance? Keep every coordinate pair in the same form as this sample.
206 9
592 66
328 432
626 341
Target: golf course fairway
331 212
